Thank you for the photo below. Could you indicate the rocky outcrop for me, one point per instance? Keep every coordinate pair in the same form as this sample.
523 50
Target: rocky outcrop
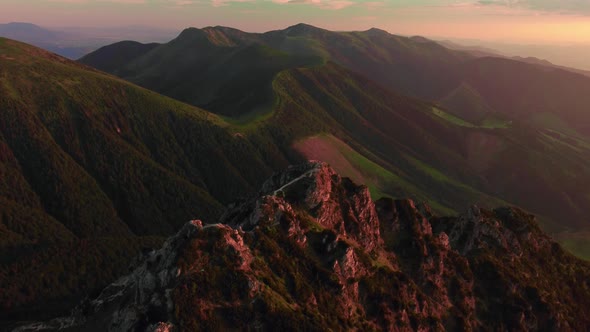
333 202
312 251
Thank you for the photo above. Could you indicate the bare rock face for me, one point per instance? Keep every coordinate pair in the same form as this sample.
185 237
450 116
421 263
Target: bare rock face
334 202
312 251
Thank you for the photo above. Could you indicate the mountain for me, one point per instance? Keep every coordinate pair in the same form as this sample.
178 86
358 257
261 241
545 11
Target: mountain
75 42
94 162
571 55
479 51
491 127
208 71
51 40
312 251
364 52
27 32
90 161
114 56
412 66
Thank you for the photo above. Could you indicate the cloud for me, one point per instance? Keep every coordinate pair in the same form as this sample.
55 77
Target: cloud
324 4
123 2
221 3
560 6
581 7
372 5
184 2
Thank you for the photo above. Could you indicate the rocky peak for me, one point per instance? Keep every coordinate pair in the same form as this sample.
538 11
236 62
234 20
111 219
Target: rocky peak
312 251
336 203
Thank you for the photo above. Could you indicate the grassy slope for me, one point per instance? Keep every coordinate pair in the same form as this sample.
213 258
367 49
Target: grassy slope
86 157
516 163
373 132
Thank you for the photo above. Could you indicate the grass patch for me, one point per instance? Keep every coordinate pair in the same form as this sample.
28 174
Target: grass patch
554 122
573 142
490 121
578 247
577 243
451 118
493 122
251 119
350 163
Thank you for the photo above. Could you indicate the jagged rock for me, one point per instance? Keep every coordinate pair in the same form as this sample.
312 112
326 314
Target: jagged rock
334 202
312 251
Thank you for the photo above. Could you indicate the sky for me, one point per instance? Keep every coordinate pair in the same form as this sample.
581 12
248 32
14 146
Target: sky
531 21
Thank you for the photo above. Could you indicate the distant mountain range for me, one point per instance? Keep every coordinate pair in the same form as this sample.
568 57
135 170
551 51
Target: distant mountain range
479 51
572 55
91 160
75 42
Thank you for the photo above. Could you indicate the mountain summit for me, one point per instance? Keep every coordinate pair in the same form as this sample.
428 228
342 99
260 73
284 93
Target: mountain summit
312 251
303 29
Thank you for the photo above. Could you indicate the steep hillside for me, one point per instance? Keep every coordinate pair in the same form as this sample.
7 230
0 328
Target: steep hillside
90 161
312 251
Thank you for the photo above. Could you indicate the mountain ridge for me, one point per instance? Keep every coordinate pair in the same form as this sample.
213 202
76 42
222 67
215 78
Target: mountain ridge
424 68
417 67
312 251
